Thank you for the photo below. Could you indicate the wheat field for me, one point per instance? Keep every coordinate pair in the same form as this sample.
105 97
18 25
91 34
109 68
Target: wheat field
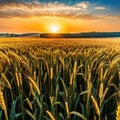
59 79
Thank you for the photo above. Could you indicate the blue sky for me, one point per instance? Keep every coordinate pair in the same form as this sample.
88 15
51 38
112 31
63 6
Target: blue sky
108 7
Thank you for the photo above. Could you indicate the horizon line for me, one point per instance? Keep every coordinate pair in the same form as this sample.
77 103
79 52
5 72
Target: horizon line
60 32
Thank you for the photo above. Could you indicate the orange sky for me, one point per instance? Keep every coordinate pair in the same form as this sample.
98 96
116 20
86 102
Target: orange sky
81 17
43 24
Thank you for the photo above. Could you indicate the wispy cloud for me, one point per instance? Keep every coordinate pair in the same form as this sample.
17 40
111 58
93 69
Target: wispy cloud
17 8
83 5
100 8
31 8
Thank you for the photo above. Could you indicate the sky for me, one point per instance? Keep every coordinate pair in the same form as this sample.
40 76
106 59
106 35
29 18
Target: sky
68 16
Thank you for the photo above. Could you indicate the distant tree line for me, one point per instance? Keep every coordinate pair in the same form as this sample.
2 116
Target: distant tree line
81 35
65 35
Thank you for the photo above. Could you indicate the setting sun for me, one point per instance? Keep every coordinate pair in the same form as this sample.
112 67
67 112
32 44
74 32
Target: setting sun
54 29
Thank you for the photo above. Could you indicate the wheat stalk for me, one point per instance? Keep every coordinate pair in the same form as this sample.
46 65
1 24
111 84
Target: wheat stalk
105 74
31 90
67 109
71 79
74 70
20 79
51 73
7 81
95 105
50 115
104 94
34 84
17 79
6 59
118 113
3 105
29 103
101 91
34 75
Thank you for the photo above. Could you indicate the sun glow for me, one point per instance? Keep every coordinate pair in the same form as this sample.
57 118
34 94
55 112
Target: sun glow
54 29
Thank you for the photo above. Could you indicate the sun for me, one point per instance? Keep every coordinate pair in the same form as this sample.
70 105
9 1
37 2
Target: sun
54 29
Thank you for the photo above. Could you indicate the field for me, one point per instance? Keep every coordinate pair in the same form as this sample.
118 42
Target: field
59 79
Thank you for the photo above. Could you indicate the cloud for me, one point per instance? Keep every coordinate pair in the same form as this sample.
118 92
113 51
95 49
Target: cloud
17 8
83 5
100 8
33 8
